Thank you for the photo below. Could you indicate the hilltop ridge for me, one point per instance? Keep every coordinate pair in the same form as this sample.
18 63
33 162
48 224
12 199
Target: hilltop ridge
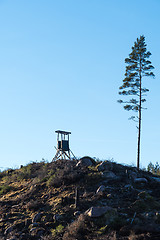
79 199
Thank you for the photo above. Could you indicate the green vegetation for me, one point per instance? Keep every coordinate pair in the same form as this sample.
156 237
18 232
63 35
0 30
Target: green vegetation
155 169
102 230
57 230
4 189
25 172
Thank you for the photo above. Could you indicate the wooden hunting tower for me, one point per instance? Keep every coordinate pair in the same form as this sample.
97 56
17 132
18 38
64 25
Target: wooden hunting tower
63 150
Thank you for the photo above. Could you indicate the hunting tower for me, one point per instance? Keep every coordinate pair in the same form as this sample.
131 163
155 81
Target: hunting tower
63 150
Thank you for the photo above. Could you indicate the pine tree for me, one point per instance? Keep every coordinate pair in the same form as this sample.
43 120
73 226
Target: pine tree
138 66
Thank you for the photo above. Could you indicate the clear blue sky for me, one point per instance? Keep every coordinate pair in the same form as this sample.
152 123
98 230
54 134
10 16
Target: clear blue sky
61 64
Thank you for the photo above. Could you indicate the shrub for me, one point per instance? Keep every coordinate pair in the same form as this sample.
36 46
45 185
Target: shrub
117 223
51 181
34 205
32 170
155 169
66 173
58 230
77 229
4 189
102 230
25 172
93 177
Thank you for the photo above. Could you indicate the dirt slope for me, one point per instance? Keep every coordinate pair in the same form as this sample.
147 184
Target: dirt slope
113 201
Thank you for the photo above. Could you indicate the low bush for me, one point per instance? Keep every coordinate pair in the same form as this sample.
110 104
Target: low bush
65 173
25 172
58 230
155 169
4 189
77 229
93 177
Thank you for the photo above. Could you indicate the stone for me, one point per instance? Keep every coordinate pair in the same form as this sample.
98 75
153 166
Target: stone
109 175
47 218
132 175
156 179
8 230
37 231
77 213
106 165
109 195
33 225
85 161
28 221
37 217
143 195
56 217
128 187
94 212
140 180
101 189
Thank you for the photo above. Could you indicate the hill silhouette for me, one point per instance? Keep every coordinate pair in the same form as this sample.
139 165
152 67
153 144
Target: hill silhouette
79 199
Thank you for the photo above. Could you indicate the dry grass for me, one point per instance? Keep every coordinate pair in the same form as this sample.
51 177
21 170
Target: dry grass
77 229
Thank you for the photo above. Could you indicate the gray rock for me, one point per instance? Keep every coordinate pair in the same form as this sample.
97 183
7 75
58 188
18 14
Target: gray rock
128 187
56 217
37 217
140 180
77 213
33 225
48 218
85 161
37 231
156 179
101 189
97 211
132 175
28 221
109 175
105 166
8 230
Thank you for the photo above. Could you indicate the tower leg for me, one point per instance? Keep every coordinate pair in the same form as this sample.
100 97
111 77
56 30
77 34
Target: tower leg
63 155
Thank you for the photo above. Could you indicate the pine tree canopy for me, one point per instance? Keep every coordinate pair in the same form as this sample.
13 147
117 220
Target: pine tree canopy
137 67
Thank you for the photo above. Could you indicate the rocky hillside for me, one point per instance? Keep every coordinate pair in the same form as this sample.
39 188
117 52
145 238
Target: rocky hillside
80 200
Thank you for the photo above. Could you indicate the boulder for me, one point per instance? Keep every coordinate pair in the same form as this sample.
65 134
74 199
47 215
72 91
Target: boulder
77 213
47 218
101 189
85 161
33 225
140 180
109 175
37 231
28 221
94 212
37 217
128 187
105 166
156 179
8 230
132 175
56 217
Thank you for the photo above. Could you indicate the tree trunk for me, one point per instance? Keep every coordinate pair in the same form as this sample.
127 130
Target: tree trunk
139 117
76 197
139 139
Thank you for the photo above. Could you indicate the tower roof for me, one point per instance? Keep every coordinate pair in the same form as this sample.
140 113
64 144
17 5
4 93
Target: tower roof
63 132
